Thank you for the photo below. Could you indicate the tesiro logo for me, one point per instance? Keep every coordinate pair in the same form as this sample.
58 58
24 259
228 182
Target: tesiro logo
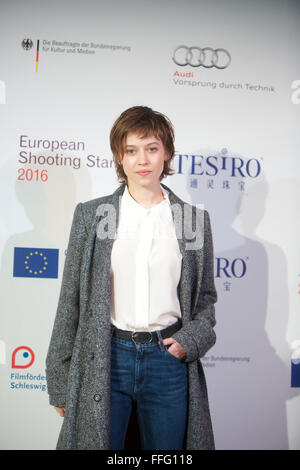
212 165
231 268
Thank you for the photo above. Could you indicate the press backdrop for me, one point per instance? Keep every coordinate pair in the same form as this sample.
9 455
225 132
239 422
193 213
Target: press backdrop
68 69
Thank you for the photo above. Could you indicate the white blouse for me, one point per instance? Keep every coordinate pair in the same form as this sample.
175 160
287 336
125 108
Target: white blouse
145 267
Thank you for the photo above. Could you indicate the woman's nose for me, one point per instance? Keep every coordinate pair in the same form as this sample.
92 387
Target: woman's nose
142 156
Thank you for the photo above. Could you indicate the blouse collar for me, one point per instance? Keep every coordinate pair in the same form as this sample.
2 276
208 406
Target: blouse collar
133 212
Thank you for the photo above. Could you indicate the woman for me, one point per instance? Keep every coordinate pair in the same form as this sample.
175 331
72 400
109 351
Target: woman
136 307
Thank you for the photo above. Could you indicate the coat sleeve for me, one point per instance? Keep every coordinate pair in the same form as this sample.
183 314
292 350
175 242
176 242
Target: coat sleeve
198 336
66 320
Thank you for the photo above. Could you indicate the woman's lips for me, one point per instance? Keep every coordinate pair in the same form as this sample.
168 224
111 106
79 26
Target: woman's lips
143 173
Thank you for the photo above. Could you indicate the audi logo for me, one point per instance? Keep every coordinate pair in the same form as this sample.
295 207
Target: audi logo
201 57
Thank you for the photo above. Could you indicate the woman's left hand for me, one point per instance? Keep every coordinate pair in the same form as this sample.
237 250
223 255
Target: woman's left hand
176 349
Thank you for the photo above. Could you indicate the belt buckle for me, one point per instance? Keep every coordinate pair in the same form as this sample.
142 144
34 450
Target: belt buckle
137 332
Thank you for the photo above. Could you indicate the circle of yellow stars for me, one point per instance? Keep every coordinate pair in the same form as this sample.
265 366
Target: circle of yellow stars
27 263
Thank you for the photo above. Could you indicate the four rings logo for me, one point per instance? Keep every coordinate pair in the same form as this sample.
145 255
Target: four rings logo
205 57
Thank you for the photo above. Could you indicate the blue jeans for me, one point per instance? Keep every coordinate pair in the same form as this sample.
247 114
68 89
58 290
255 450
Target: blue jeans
153 377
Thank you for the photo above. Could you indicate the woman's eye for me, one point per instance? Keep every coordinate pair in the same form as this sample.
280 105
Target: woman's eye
152 149
130 151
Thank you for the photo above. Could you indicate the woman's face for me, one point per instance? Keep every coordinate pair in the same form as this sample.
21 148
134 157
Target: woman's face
143 160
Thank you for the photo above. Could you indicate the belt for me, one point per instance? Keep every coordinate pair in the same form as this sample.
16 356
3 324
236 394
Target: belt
147 336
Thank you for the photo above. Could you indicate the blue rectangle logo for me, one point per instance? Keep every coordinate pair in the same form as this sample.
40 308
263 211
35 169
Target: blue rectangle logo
36 262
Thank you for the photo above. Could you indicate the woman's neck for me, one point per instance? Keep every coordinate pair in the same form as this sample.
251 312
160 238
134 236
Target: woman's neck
146 196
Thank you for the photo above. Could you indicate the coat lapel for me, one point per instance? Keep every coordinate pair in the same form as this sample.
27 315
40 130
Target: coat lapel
189 223
188 274
107 216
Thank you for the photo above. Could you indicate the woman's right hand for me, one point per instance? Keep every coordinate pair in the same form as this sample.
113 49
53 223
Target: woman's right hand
61 411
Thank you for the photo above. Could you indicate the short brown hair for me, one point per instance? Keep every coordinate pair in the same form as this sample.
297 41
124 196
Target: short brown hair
144 122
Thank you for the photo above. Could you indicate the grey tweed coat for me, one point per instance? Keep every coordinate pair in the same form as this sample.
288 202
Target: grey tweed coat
78 359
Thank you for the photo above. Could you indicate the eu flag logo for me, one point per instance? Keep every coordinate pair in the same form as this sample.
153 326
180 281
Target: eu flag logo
35 262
